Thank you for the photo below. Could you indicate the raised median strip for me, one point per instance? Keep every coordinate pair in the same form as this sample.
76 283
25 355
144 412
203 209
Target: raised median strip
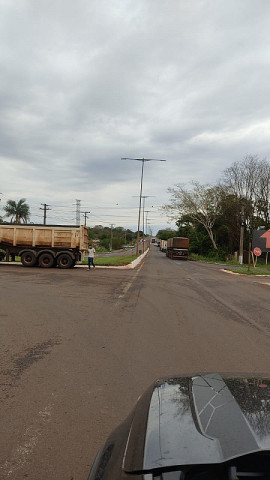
130 265
138 260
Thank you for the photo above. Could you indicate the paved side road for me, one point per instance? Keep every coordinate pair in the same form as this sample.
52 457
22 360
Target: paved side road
78 347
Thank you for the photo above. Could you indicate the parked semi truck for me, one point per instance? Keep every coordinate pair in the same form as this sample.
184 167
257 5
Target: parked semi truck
163 245
44 245
177 248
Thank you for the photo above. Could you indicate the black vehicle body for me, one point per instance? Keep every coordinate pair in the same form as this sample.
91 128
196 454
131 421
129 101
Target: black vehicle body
199 427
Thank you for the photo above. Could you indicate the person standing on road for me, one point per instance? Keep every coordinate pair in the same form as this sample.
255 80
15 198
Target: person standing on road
91 254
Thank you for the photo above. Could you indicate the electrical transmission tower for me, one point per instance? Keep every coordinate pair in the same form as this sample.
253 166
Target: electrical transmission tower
78 212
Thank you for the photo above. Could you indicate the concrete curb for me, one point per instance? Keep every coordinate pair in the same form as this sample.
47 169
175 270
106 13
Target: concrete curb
138 260
237 273
130 266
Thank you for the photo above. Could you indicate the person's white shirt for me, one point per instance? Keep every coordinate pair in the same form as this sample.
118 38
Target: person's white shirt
91 252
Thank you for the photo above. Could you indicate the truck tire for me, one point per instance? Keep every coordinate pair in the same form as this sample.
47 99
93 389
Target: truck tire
46 260
65 261
28 259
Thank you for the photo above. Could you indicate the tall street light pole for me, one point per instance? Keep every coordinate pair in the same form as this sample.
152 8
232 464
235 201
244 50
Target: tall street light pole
144 197
143 160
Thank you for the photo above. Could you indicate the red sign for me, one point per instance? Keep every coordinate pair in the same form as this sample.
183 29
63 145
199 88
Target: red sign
261 239
267 236
257 251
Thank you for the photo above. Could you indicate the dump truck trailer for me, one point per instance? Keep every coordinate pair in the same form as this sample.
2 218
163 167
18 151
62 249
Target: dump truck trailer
163 245
44 245
177 248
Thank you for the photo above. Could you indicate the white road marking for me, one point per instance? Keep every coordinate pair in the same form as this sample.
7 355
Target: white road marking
31 435
128 285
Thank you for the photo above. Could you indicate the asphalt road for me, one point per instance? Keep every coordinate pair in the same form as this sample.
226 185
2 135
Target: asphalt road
78 347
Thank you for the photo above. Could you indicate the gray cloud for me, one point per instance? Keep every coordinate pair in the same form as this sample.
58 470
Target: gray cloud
83 84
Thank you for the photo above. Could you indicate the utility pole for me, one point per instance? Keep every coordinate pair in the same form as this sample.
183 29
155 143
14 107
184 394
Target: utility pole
241 246
45 209
78 212
85 217
112 225
143 160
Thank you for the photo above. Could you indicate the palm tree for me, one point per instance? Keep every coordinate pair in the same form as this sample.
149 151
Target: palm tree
17 211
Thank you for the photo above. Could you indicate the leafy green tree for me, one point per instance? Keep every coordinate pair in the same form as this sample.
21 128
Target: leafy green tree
117 242
130 236
211 216
200 204
199 241
18 211
90 235
105 243
232 211
120 236
249 180
167 233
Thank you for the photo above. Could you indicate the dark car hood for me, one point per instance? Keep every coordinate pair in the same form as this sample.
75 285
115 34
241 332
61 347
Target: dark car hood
202 419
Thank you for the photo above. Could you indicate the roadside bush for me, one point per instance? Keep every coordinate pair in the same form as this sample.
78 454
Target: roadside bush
219 254
105 243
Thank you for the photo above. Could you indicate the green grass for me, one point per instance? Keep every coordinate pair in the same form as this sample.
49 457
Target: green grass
17 259
261 268
253 271
117 261
201 258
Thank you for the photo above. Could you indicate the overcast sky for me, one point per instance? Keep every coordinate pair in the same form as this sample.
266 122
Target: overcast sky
86 82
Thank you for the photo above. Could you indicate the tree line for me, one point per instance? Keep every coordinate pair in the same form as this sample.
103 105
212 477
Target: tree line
211 216
115 237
